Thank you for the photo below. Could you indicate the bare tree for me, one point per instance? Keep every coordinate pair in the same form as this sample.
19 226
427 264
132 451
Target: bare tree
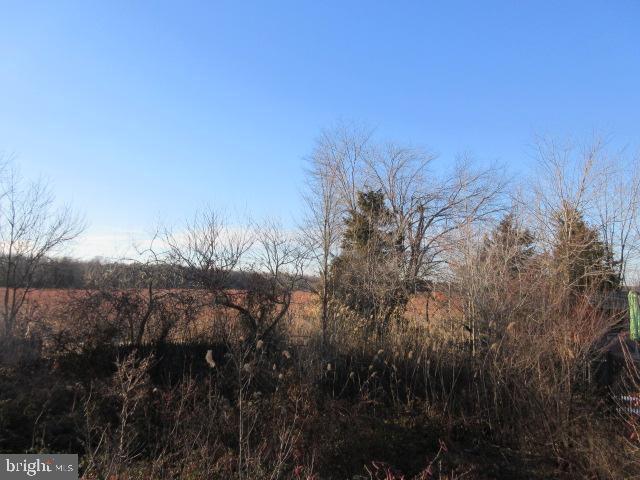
209 252
565 177
497 278
331 190
31 229
277 271
592 186
618 210
425 208
341 153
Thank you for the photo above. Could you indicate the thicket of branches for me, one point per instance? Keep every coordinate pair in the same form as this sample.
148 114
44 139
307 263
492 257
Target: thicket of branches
455 324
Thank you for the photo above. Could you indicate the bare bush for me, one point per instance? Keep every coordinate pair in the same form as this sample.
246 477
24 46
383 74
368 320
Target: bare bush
209 251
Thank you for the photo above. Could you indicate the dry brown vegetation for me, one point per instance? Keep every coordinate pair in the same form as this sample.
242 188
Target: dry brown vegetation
419 401
447 331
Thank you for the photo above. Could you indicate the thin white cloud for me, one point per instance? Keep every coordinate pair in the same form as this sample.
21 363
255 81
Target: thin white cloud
110 244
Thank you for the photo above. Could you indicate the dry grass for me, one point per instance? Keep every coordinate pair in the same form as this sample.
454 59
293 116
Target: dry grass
418 401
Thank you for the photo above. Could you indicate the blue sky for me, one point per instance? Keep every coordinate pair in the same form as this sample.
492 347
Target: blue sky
144 111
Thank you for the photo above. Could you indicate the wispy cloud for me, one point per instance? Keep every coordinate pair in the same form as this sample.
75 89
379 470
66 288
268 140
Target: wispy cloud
109 244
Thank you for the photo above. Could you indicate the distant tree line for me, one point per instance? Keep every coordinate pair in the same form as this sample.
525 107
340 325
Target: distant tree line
71 273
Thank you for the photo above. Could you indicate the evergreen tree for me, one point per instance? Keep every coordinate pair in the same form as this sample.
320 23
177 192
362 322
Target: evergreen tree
510 243
367 275
583 260
368 228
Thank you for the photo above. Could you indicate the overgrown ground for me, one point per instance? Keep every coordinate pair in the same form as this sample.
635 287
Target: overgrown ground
414 404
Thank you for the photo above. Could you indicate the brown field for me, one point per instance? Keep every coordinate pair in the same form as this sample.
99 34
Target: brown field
304 305
51 308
